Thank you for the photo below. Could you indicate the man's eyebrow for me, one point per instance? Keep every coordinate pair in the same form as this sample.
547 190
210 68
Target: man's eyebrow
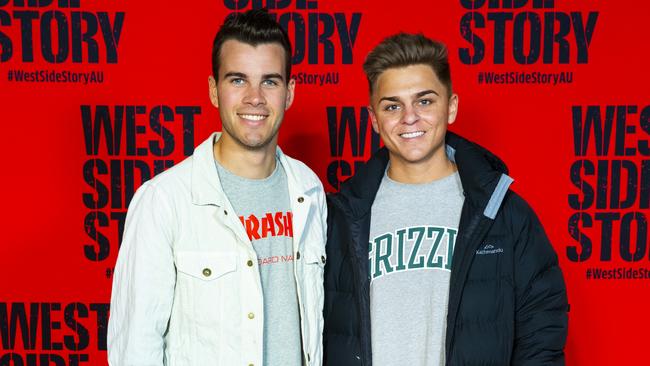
389 99
273 76
233 74
417 95
425 92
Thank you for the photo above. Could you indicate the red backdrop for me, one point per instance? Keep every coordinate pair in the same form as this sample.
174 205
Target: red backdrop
97 96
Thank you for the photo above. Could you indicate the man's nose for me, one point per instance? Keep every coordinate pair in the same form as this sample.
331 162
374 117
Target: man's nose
254 96
410 115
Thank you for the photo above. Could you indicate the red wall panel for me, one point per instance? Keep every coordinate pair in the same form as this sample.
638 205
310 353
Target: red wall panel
72 72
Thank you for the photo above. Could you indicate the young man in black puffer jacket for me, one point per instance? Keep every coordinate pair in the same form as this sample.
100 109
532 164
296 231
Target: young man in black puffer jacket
394 296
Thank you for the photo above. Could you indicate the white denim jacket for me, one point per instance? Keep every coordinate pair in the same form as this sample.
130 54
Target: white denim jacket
186 286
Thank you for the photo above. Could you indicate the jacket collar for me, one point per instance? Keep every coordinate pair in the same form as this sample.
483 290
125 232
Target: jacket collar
206 185
482 174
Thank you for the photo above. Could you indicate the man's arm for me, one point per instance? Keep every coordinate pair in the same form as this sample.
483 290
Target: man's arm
541 300
143 283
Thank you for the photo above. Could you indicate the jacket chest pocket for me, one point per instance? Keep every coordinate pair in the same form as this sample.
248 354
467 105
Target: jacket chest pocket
313 273
204 281
313 265
313 260
205 266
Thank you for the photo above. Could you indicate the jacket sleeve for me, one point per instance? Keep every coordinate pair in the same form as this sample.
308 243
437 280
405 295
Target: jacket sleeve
322 206
329 247
143 283
328 285
541 300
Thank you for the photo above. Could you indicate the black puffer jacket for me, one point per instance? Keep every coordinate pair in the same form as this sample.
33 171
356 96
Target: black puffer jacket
507 300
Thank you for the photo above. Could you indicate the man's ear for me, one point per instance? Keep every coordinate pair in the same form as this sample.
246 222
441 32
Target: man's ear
373 119
212 89
453 108
291 88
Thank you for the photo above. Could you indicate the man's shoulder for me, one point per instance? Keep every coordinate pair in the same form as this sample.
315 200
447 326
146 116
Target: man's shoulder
172 182
515 204
179 173
517 213
182 172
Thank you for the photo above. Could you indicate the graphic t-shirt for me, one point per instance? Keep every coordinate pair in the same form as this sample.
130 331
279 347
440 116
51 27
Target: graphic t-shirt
413 230
264 209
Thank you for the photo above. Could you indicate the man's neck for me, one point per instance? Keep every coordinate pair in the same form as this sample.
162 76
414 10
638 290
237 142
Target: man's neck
437 167
243 162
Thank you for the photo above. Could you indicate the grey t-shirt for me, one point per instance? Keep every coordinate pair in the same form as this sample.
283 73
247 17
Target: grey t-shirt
264 209
413 230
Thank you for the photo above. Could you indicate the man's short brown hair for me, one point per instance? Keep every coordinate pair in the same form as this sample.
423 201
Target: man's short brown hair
253 27
403 49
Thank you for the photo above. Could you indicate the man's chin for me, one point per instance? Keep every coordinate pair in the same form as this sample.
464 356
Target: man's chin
252 140
254 144
413 157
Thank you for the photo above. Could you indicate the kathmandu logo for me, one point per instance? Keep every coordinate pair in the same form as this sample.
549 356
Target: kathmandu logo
489 249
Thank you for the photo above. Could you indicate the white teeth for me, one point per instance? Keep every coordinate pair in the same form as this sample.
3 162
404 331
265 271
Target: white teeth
411 135
253 117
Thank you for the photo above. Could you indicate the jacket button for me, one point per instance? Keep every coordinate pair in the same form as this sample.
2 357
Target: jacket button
301 200
207 272
297 255
251 316
322 259
249 263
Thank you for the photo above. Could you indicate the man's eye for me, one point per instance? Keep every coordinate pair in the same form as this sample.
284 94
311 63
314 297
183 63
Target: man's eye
237 81
425 102
391 107
269 82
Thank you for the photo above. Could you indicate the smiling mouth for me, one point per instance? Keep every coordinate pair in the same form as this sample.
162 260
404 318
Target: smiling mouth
253 117
411 135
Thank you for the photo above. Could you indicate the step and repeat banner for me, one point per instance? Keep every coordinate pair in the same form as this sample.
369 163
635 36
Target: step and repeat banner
97 97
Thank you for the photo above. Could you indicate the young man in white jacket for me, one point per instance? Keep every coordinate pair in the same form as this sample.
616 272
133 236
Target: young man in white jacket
222 256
